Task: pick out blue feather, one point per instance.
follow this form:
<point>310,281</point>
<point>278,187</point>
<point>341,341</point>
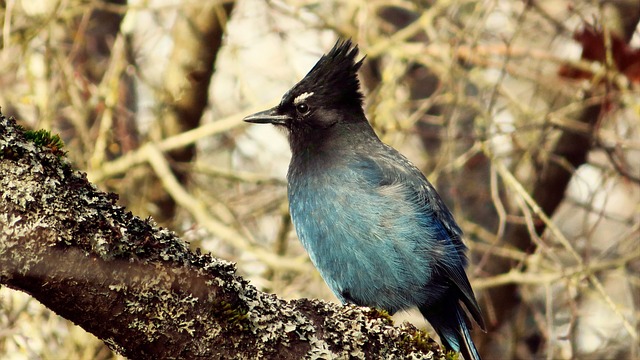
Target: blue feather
<point>373,225</point>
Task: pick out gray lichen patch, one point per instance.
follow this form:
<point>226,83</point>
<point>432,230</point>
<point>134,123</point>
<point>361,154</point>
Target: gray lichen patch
<point>57,197</point>
<point>46,205</point>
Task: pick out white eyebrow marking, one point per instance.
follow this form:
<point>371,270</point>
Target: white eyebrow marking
<point>302,97</point>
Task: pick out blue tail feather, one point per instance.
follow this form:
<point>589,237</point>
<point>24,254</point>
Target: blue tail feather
<point>453,330</point>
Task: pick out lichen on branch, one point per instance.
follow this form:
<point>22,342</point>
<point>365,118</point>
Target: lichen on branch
<point>141,289</point>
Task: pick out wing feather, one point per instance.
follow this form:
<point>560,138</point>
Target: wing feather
<point>396,175</point>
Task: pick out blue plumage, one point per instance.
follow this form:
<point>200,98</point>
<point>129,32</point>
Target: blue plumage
<point>372,224</point>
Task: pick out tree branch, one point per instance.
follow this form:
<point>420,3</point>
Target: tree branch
<point>138,287</point>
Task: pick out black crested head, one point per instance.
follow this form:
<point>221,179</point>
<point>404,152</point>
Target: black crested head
<point>335,75</point>
<point>329,94</point>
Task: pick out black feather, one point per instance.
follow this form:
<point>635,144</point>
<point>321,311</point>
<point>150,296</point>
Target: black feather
<point>335,75</point>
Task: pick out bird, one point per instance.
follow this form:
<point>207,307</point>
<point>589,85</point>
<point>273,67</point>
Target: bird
<point>372,224</point>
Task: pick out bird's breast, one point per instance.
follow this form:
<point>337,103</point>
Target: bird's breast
<point>362,244</point>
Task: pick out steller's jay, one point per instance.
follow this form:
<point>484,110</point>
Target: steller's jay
<point>372,224</point>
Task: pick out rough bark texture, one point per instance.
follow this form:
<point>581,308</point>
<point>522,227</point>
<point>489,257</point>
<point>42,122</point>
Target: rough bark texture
<point>139,288</point>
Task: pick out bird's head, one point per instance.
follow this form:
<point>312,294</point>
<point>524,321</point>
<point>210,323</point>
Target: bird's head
<point>327,95</point>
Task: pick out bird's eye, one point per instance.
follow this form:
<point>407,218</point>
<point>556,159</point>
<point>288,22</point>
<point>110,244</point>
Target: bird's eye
<point>302,108</point>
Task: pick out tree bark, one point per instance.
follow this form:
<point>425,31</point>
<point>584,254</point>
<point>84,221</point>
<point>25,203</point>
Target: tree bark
<point>139,288</point>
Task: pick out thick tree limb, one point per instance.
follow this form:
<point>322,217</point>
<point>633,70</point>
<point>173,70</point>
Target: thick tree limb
<point>140,289</point>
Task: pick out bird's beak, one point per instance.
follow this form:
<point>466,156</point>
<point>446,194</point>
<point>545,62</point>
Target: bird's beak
<point>270,116</point>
